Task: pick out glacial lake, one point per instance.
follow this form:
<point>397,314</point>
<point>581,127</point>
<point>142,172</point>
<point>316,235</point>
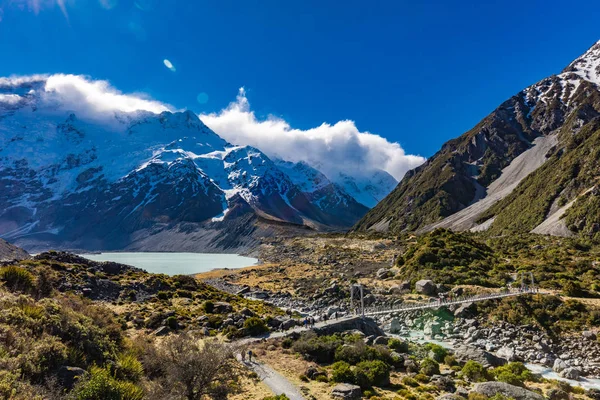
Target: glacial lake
<point>176,263</point>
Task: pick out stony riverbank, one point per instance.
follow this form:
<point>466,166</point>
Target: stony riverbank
<point>571,355</point>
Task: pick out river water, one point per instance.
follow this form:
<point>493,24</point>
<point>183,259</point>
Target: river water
<point>548,373</point>
<point>176,263</point>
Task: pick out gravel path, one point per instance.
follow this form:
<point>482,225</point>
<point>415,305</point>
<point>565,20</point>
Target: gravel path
<point>274,380</point>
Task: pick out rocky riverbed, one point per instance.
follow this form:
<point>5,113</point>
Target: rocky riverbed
<point>571,356</point>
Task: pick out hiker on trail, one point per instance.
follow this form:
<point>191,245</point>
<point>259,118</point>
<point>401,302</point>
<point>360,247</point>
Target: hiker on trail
<point>250,355</point>
<point>243,356</point>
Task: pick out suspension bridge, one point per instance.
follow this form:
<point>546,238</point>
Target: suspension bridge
<point>525,288</point>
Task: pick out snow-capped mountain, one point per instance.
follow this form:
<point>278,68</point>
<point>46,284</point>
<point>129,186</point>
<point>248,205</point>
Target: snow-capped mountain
<point>68,179</point>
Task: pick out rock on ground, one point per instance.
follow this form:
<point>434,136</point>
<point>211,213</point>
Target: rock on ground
<point>346,391</point>
<point>466,353</point>
<point>518,393</point>
<point>425,286</point>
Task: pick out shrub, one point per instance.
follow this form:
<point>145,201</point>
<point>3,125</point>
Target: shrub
<point>128,368</point>
<point>208,307</point>
<point>341,372</point>
<point>172,322</point>
<point>321,378</point>
<point>352,353</point>
<point>477,396</point>
<point>407,394</point>
<point>398,345</point>
<point>163,295</point>
<point>16,278</point>
<point>320,349</point>
<point>369,373</point>
<point>429,367</point>
<point>422,378</point>
<point>100,385</point>
<point>473,371</point>
<point>514,373</point>
<point>255,326</point>
<point>450,360</point>
<point>437,352</point>
<point>287,343</point>
<point>408,381</point>
<point>278,397</point>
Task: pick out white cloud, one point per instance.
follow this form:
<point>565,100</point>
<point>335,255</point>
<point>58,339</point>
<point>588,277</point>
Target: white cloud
<point>90,99</point>
<point>335,148</point>
<point>80,93</point>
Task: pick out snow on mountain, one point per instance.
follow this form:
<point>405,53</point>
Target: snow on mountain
<point>368,189</point>
<point>71,178</point>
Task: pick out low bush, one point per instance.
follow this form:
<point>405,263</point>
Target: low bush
<point>287,343</point>
<point>369,373</point>
<point>317,348</point>
<point>341,372</point>
<point>100,385</point>
<point>208,307</point>
<point>437,352</point>
<point>398,345</point>
<point>514,373</point>
<point>255,326</point>
<point>17,278</point>
<point>450,360</point>
<point>474,372</point>
<point>429,367</point>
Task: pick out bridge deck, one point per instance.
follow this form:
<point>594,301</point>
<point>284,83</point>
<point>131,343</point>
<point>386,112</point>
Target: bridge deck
<point>445,302</point>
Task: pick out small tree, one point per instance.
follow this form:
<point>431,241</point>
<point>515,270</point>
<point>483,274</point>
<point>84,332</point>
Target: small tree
<point>194,370</point>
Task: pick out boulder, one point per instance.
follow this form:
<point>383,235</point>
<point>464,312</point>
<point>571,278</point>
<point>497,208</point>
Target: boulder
<point>466,310</point>
<point>570,373</point>
<point>382,340</point>
<point>450,396</point>
<point>443,383</point>
<point>247,312</point>
<point>163,330</point>
<point>507,352</point>
<point>346,391</point>
<point>426,287</point>
<point>243,290</point>
<point>589,335</point>
<point>411,365</point>
<point>593,394</point>
<point>465,353</point>
<point>222,307</point>
<point>557,394</point>
<point>395,326</point>
<point>288,324</point>
<point>383,273</point>
<point>559,365</point>
<point>258,295</point>
<point>491,389</point>
<point>312,372</point>
<point>68,376</point>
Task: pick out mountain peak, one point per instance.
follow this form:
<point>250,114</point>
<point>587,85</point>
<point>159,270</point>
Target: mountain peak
<point>587,66</point>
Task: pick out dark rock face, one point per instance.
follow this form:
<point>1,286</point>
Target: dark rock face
<point>9,252</point>
<point>518,393</point>
<point>68,376</point>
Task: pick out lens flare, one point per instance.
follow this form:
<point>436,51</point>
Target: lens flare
<point>169,65</point>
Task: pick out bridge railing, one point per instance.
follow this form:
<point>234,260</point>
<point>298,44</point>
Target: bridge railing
<point>446,301</point>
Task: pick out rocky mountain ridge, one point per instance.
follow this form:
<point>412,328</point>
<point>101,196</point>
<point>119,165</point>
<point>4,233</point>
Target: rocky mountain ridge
<point>515,169</point>
<point>116,181</point>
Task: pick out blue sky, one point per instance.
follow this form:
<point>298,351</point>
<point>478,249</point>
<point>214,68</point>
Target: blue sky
<point>417,73</point>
